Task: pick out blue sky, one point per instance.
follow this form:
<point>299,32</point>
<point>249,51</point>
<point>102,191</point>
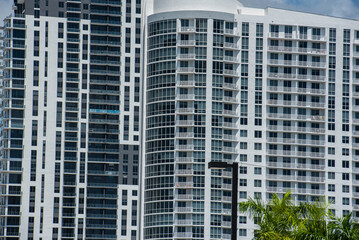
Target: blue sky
<point>5,8</point>
<point>338,8</point>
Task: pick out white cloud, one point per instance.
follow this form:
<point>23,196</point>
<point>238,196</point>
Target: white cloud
<point>342,8</point>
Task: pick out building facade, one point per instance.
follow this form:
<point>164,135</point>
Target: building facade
<point>70,120</point>
<point>275,90</point>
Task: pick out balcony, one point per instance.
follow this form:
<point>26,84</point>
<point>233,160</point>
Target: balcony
<point>184,171</point>
<point>310,142</point>
<point>73,49</point>
<point>311,90</point>
<point>101,52</point>
<point>184,196</point>
<point>73,9</point>
<point>318,38</point>
<point>310,130</point>
<point>107,2</point>
<point>231,86</point>
<point>105,12</point>
<point>186,70</point>
<point>312,64</point>
<point>184,209</point>
<point>100,236</point>
<point>229,125</point>
<point>186,43</point>
<point>73,59</point>
<point>184,135</point>
<point>190,97</point>
<point>230,45</point>
<point>281,177</point>
<point>189,147</point>
<point>230,32</point>
<point>311,154</point>
<point>297,103</point>
<point>93,172</point>
<point>312,77</point>
<point>296,190</point>
<point>229,149</point>
<point>281,102</point>
<point>293,116</point>
<point>187,83</point>
<point>226,236</point>
<point>102,216</point>
<point>280,165</point>
<point>310,104</point>
<point>282,35</point>
<point>182,235</point>
<point>186,56</point>
<point>226,186</point>
<point>184,222</point>
<point>226,224</point>
<point>105,226</point>
<point>107,22</point>
<point>356,54</point>
<point>229,113</point>
<point>110,196</point>
<point>105,150</point>
<point>229,137</point>
<point>185,122</point>
<point>70,183</point>
<point>188,29</point>
<point>108,72</point>
<point>282,62</point>
<point>104,140</point>
<point>282,75</point>
<point>101,42</point>
<point>356,68</point>
<point>230,59</point>
<point>184,159</point>
<point>282,49</point>
<point>230,99</point>
<point>184,184</point>
<point>281,115</point>
<point>185,110</point>
<point>319,51</point>
<point>281,153</point>
<point>229,72</point>
<point>115,206</point>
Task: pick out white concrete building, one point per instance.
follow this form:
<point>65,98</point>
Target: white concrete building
<point>276,90</point>
<point>70,137</point>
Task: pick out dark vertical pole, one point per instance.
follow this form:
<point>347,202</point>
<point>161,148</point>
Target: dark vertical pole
<point>234,200</point>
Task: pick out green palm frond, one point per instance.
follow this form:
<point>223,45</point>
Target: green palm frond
<point>281,219</point>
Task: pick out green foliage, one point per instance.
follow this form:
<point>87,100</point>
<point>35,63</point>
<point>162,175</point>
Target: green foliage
<point>281,219</point>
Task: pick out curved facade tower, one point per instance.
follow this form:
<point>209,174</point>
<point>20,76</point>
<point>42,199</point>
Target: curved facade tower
<point>191,118</point>
<point>275,90</point>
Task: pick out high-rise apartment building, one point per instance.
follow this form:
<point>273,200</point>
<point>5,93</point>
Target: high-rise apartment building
<point>276,90</point>
<point>70,120</point>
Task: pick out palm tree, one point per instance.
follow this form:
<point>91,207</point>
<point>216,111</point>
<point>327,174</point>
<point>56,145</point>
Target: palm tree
<point>281,219</point>
<point>312,224</point>
<point>344,228</point>
<point>275,219</point>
